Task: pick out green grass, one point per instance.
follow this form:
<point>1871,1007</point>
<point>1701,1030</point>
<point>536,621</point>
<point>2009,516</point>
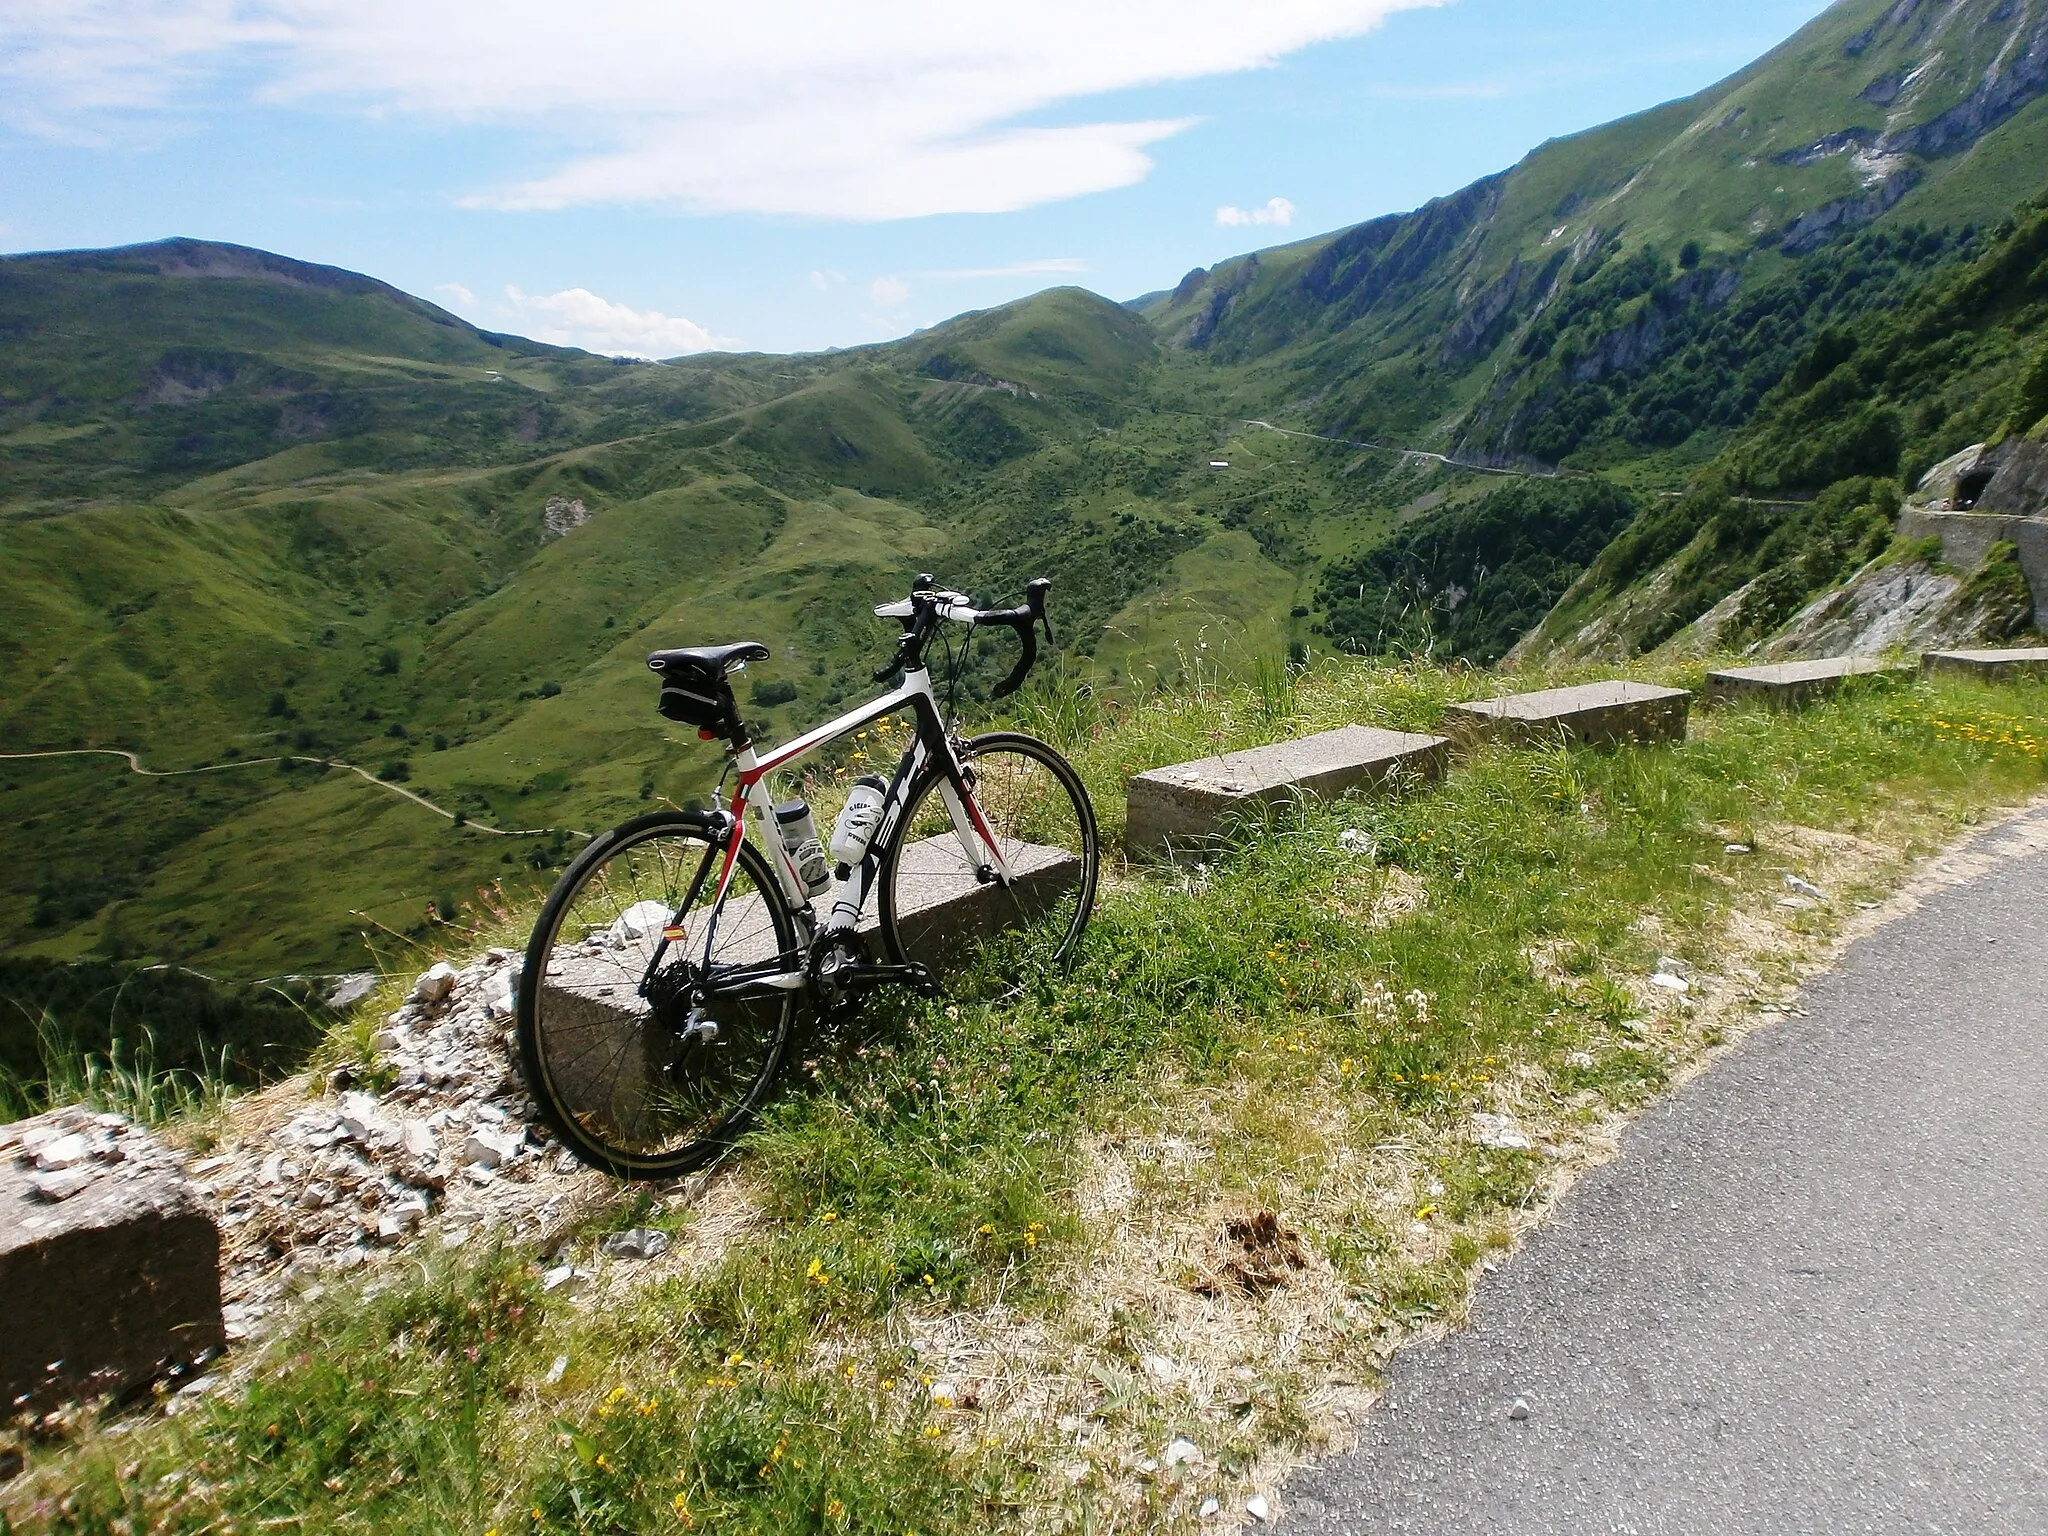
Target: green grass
<point>279,507</point>
<point>1026,1182</point>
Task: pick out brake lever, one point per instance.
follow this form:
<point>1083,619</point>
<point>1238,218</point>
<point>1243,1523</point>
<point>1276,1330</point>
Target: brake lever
<point>1034,598</point>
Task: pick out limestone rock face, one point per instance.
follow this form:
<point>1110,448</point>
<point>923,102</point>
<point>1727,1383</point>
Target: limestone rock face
<point>2021,482</point>
<point>109,1260</point>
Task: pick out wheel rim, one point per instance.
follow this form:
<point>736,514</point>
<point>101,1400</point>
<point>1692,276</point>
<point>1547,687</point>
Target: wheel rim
<point>1047,836</point>
<point>612,1010</point>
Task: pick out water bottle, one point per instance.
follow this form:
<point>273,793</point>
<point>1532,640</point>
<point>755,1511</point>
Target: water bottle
<point>858,819</point>
<point>799,834</point>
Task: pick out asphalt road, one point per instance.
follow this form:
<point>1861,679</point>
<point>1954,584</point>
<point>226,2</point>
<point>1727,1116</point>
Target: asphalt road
<point>1809,1295</point>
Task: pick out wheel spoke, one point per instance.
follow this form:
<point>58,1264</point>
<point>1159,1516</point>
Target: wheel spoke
<point>936,899</point>
<point>640,1072</point>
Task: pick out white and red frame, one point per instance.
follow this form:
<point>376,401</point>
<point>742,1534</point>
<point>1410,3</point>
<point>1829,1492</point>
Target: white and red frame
<point>847,896</point>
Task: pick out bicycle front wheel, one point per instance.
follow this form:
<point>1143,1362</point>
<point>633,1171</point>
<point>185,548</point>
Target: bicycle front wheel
<point>937,900</point>
<point>638,1061</point>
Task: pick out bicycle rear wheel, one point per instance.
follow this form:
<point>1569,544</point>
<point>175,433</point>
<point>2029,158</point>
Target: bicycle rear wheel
<point>637,1063</point>
<point>936,901</point>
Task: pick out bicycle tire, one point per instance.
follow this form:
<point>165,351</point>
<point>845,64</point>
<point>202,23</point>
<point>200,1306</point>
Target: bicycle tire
<point>1023,809</point>
<point>673,1101</point>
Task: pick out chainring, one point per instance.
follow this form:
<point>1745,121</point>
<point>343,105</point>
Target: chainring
<point>835,959</point>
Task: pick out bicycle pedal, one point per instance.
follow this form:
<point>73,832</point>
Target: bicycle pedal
<point>917,977</point>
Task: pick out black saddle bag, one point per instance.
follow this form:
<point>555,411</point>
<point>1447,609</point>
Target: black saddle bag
<point>698,695</point>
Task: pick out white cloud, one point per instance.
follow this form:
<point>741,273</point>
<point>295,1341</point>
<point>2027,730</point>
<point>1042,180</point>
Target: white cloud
<point>890,109</point>
<point>889,292</point>
<point>576,317</point>
<point>460,296</point>
<point>1277,210</point>
<point>1016,269</point>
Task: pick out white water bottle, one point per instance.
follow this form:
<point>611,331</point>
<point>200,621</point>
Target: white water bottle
<point>799,834</point>
<point>858,819</point>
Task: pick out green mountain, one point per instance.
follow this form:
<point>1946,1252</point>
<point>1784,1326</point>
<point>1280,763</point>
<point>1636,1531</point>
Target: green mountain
<point>253,508</point>
<point>1600,299</point>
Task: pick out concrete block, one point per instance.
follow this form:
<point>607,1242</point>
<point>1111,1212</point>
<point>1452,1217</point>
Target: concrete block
<point>943,906</point>
<point>1594,714</point>
<point>1793,683</point>
<point>604,1058</point>
<point>110,1266</point>
<point>1183,806</point>
<point>1998,666</point>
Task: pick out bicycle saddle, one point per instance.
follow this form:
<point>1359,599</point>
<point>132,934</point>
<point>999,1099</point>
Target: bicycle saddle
<point>714,658</point>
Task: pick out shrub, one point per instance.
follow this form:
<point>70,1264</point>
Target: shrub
<point>1477,577</point>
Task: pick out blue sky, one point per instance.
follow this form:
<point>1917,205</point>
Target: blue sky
<point>655,176</point>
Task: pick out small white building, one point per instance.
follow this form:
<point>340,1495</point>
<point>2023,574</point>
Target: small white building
<point>1219,463</point>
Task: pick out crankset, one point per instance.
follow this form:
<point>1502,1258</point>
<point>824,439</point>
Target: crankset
<point>842,974</point>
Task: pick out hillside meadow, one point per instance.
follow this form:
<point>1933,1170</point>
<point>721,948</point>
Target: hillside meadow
<point>987,1256</point>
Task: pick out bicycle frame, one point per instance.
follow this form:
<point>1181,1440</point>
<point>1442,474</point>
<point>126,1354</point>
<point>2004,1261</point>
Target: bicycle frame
<point>847,896</point>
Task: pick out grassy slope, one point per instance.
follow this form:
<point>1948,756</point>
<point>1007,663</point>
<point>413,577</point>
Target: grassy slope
<point>1920,380</point>
<point>418,616</point>
<point>1028,1185</point>
<point>1358,344</point>
<point>266,480</point>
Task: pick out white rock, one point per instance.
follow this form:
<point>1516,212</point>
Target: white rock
<point>395,1223</point>
<point>492,1149</point>
<point>1580,1059</point>
<point>1500,1133</point>
<point>1159,1368</point>
<point>1257,1507</point>
<point>435,983</point>
<point>61,1184</point>
<point>64,1152</point>
<point>1180,1449</point>
<point>635,1243</point>
<point>417,1139</point>
<point>561,1364</point>
<point>1520,1411</point>
<point>1210,1508</point>
<point>1736,848</point>
<point>567,1279</point>
<point>638,921</point>
<point>1801,887</point>
<point>1671,983</point>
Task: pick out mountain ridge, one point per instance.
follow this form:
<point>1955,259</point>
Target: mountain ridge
<point>257,506</point>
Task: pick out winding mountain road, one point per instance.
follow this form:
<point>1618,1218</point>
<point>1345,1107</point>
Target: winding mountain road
<point>135,763</point>
<point>1810,1294</point>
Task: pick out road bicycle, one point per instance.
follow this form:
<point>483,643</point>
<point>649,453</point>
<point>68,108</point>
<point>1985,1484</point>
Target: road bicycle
<point>665,974</point>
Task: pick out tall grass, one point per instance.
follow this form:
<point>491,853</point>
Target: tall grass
<point>123,1079</point>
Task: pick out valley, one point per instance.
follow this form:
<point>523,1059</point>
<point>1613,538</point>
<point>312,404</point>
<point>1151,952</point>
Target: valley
<point>251,507</point>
